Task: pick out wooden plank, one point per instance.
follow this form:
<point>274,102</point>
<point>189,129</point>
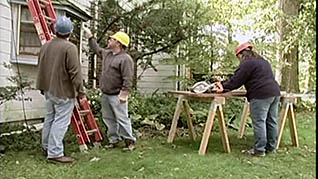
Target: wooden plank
<point>243,119</point>
<point>223,131</point>
<point>210,96</point>
<point>207,129</point>
<point>283,117</point>
<point>292,126</point>
<point>173,128</point>
<point>189,121</point>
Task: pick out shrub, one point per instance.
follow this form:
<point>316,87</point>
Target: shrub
<point>158,109</point>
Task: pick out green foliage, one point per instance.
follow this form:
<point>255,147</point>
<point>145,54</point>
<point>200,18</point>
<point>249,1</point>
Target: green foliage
<point>93,96</point>
<point>200,34</point>
<point>158,109</point>
<point>20,139</point>
<point>166,27</point>
<point>306,106</point>
<point>155,109</point>
<point>17,90</point>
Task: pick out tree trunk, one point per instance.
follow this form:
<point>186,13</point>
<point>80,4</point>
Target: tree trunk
<point>289,59</point>
<point>91,62</point>
<point>134,83</point>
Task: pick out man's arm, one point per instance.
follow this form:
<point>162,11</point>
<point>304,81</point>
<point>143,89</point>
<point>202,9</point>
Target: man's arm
<point>94,46</point>
<point>92,41</point>
<point>75,71</point>
<point>127,74</point>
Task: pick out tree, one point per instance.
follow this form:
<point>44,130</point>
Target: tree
<point>199,34</point>
<point>297,31</point>
<point>289,54</point>
<point>154,26</point>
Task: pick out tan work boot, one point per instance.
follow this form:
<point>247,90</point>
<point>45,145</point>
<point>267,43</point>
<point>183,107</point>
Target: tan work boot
<point>111,145</point>
<point>130,145</point>
<point>62,159</point>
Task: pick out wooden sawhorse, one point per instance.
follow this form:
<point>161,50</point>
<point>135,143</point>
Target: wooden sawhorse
<point>215,108</point>
<point>287,112</point>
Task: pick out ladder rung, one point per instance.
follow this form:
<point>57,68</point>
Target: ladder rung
<point>78,122</point>
<point>84,112</point>
<point>91,131</point>
<point>44,2</point>
<point>42,6</point>
<point>49,18</point>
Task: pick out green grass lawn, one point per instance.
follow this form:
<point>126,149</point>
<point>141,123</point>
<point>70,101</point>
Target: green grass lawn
<point>155,158</point>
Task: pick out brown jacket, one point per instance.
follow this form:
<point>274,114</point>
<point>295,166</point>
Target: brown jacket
<point>117,70</point>
<point>60,69</point>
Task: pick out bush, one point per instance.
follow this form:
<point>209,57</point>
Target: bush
<point>20,138</point>
<point>157,110</point>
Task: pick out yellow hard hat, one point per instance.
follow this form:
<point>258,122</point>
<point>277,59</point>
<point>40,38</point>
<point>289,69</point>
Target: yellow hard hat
<point>122,37</point>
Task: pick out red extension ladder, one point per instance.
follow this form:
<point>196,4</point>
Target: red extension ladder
<point>44,17</point>
<point>83,122</point>
<point>84,128</point>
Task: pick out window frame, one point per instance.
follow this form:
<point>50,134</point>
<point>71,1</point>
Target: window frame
<point>16,56</point>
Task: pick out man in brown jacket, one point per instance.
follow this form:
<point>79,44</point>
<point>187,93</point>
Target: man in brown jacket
<point>60,80</point>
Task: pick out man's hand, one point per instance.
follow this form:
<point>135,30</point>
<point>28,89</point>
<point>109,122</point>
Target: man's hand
<point>219,86</point>
<point>87,33</point>
<point>81,97</point>
<point>123,96</point>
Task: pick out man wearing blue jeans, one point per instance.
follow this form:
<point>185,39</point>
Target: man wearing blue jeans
<point>115,82</point>
<point>263,93</point>
<point>60,80</point>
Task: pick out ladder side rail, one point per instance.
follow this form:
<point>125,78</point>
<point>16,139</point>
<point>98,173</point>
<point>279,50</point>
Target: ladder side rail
<point>81,124</point>
<point>45,28</point>
<point>77,130</point>
<point>36,21</point>
<point>50,12</point>
<point>90,120</point>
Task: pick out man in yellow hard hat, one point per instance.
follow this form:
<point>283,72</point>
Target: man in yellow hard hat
<point>115,83</point>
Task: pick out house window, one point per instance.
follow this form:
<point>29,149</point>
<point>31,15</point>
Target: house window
<point>29,42</point>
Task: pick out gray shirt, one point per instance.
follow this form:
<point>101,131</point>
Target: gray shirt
<point>117,69</point>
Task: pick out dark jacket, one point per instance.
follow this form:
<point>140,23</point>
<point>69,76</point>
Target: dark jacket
<point>60,69</point>
<point>117,70</point>
<point>257,76</point>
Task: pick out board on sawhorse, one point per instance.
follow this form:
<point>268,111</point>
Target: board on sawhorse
<point>217,100</point>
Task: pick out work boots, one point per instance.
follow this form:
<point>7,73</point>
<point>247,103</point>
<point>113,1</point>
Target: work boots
<point>112,145</point>
<point>130,145</point>
<point>62,159</point>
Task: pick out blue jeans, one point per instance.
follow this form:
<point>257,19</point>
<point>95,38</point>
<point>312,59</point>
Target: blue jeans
<point>264,114</point>
<point>115,117</point>
<point>56,122</point>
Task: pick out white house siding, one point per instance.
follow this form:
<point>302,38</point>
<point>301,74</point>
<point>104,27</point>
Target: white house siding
<point>84,3</point>
<point>13,110</point>
<point>152,81</point>
<point>5,40</point>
